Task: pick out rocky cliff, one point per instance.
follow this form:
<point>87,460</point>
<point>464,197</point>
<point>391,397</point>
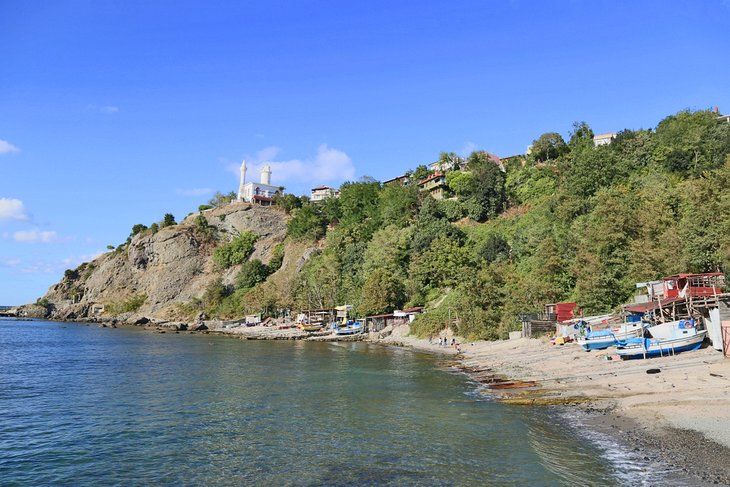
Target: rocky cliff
<point>154,272</point>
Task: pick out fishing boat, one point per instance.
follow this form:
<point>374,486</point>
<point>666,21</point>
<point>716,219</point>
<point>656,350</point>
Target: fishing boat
<point>310,326</point>
<point>350,328</point>
<point>666,339</point>
<point>602,339</point>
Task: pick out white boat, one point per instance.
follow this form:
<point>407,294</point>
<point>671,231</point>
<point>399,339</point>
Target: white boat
<point>601,339</point>
<point>350,328</point>
<point>666,339</point>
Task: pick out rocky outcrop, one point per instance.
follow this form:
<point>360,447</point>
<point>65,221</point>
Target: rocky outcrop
<point>155,271</point>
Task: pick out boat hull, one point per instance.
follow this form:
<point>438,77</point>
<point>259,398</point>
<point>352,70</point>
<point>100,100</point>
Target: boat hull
<point>661,348</point>
<point>608,338</point>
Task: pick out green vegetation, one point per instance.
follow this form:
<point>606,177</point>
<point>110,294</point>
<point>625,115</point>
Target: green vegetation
<point>235,252</point>
<point>129,305</point>
<point>221,199</point>
<point>168,220</point>
<point>569,221</point>
<point>205,230</point>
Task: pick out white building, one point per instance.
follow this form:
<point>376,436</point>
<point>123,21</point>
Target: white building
<point>603,139</point>
<point>262,192</point>
<point>321,192</point>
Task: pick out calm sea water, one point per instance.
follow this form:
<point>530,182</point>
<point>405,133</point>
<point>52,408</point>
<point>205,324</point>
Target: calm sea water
<point>83,405</point>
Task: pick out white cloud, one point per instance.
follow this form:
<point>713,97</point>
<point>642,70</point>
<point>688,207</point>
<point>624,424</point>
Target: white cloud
<point>12,209</point>
<point>328,165</point>
<point>194,191</point>
<point>38,236</point>
<point>6,147</point>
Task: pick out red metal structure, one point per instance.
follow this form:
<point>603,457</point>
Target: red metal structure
<point>686,285</point>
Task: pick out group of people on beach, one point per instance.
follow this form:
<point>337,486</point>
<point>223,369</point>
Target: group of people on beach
<point>444,342</point>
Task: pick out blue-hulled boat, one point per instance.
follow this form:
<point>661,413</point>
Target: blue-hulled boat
<point>602,339</point>
<point>667,339</point>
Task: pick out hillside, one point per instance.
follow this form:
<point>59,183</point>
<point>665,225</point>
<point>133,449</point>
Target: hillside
<point>484,239</point>
<point>156,272</point>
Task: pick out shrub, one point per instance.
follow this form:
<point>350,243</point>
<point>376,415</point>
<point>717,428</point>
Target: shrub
<point>277,258</point>
<point>129,305</point>
<point>251,273</point>
<point>168,220</point>
<point>203,228</point>
<point>236,252</point>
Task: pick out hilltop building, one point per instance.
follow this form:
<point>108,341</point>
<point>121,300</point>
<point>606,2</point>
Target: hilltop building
<point>603,139</point>
<point>262,192</point>
<point>321,192</point>
<point>434,184</point>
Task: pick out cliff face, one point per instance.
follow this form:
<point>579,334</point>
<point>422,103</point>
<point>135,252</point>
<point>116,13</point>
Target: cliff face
<point>154,272</point>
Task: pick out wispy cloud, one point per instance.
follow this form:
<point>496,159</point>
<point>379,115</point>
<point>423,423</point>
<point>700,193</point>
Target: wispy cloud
<point>49,267</point>
<point>194,192</point>
<point>7,148</point>
<point>327,165</point>
<point>39,236</point>
<point>10,262</point>
<point>468,148</point>
<point>105,109</point>
<point>12,209</point>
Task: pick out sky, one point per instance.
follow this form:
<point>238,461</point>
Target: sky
<point>114,113</point>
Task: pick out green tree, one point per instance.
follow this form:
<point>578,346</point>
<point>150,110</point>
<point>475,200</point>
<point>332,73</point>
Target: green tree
<point>307,223</point>
<point>382,292</point>
<point>692,142</point>
<point>548,146</point>
<point>137,228</point>
<point>288,202</point>
<point>398,204</point>
<point>221,199</point>
<point>168,220</point>
<point>252,272</point>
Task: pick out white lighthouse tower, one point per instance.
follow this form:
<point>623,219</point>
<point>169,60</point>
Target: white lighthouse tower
<point>241,186</point>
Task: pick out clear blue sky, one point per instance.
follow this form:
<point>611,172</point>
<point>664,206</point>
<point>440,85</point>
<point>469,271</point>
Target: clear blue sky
<point>115,112</point>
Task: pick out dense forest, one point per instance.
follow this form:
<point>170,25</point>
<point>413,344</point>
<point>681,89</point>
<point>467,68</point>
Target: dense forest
<point>568,221</point>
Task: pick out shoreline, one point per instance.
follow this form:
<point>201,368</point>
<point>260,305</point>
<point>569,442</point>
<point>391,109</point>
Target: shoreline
<point>679,417</point>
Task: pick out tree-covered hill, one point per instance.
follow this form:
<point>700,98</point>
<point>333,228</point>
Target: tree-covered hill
<point>568,221</point>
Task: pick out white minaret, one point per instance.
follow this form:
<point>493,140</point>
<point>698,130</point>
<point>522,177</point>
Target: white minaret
<point>243,181</point>
<point>266,175</point>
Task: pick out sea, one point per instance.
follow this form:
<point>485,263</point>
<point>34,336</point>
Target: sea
<point>86,405</point>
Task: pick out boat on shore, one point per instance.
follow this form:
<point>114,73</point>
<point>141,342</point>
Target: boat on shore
<point>350,328</point>
<point>665,339</point>
<point>602,339</point>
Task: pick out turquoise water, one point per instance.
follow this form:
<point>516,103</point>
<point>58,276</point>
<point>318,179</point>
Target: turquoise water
<point>83,405</point>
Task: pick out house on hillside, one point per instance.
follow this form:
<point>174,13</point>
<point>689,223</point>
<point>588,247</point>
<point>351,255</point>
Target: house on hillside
<point>321,192</point>
<point>398,180</point>
<point>603,139</point>
<point>435,184</point>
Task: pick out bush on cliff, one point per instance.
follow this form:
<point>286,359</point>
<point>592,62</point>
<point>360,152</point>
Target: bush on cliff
<point>235,252</point>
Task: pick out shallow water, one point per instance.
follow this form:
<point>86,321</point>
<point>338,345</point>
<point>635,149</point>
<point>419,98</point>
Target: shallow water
<point>85,405</point>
